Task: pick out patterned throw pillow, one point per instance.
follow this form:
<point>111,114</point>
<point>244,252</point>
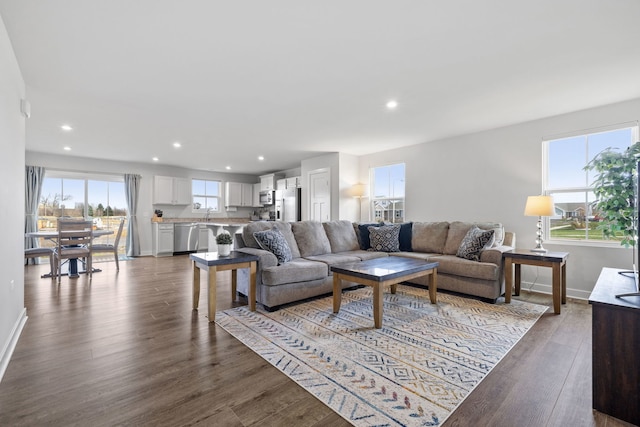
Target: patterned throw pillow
<point>385,238</point>
<point>273,241</point>
<point>474,242</point>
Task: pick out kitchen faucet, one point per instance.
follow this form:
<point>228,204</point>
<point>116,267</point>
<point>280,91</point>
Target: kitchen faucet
<point>206,216</point>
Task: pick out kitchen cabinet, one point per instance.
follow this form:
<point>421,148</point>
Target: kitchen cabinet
<point>238,194</point>
<point>281,184</point>
<point>162,237</point>
<point>204,238</point>
<point>268,182</point>
<point>256,196</point>
<point>293,182</point>
<point>169,190</point>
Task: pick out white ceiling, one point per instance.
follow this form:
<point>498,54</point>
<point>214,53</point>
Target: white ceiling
<point>292,79</point>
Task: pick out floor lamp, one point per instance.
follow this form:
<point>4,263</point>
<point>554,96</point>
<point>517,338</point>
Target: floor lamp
<point>359,191</point>
<point>539,206</point>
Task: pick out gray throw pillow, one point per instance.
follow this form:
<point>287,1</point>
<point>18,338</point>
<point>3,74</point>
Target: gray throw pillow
<point>474,242</point>
<point>385,238</point>
<point>273,241</point>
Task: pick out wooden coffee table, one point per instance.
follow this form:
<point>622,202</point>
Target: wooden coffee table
<point>213,263</point>
<point>380,272</point>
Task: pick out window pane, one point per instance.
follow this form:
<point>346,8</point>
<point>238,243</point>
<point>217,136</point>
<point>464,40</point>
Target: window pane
<point>72,203</point>
<point>387,183</point>
<point>198,187</point>
<point>567,158</point>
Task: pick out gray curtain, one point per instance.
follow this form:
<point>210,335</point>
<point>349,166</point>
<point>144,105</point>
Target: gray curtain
<point>34,176</point>
<point>131,190</point>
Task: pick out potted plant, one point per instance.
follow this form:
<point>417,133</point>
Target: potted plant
<point>614,187</point>
<point>224,242</point>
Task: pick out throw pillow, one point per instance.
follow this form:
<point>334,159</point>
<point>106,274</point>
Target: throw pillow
<point>385,238</point>
<point>405,236</point>
<point>363,235</point>
<point>474,242</point>
<point>273,241</point>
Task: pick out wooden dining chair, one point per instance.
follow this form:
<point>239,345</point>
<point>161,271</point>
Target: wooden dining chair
<point>108,247</point>
<point>75,240</point>
<point>40,252</point>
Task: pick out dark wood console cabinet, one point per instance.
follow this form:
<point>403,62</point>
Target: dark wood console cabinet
<point>616,347</point>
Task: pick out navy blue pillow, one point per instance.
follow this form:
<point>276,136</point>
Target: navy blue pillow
<point>365,242</point>
<point>405,237</point>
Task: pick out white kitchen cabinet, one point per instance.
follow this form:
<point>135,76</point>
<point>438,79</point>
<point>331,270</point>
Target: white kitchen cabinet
<point>238,194</point>
<point>162,236</point>
<point>281,184</point>
<point>293,182</point>
<point>204,238</point>
<point>256,196</point>
<point>169,190</point>
<point>268,182</point>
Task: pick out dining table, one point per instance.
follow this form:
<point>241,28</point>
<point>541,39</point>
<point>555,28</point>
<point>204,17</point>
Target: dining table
<point>73,262</point>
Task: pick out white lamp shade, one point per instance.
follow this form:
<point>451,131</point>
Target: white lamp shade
<point>539,206</point>
<point>359,190</point>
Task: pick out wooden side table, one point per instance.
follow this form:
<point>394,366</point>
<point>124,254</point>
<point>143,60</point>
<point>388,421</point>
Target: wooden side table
<point>211,262</point>
<point>556,260</point>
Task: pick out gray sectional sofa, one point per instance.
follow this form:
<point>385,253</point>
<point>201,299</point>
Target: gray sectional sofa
<point>315,246</point>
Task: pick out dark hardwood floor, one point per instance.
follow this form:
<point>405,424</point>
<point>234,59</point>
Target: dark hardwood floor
<point>126,349</point>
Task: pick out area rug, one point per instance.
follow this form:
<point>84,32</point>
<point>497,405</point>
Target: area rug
<point>414,371</point>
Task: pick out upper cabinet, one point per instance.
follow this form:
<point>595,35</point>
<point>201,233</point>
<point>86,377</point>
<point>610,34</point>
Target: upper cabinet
<point>285,183</point>
<point>256,196</point>
<point>268,182</point>
<point>238,194</point>
<point>169,190</point>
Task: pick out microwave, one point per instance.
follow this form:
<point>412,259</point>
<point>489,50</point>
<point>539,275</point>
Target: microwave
<point>266,197</point>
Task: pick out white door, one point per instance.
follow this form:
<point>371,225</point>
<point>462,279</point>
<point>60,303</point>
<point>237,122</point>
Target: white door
<point>320,195</point>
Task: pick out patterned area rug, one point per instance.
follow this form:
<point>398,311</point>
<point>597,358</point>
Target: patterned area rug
<point>414,371</point>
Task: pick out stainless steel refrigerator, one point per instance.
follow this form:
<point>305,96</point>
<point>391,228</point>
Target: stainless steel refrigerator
<point>287,205</point>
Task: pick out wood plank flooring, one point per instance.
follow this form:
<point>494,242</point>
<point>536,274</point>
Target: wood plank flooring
<point>126,349</point>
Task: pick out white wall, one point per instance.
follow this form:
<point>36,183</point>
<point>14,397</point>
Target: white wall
<point>12,176</point>
<point>487,176</point>
<point>147,171</point>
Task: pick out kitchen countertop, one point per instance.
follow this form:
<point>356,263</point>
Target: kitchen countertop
<point>219,222</point>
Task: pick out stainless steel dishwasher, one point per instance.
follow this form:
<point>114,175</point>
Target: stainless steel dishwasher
<point>185,237</point>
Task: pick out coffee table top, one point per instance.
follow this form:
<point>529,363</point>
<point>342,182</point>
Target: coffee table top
<point>382,269</point>
<point>212,258</point>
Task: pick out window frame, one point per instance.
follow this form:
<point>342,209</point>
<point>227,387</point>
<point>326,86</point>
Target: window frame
<point>587,189</point>
<point>394,200</point>
<point>218,197</point>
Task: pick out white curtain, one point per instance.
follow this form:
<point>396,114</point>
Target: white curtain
<point>34,176</point>
<point>131,190</point>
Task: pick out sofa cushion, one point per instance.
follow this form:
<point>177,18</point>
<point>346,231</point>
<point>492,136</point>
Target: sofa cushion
<point>341,235</point>
<point>365,255</point>
<point>284,227</point>
<point>274,242</point>
<point>363,235</point>
<point>452,265</point>
<point>459,229</point>
<point>429,236</point>
<point>311,238</point>
<point>332,259</point>
<point>296,270</point>
<point>385,238</point>
<point>474,242</point>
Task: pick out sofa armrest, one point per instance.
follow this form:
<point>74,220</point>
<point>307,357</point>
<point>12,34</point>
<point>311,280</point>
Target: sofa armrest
<point>494,255</point>
<point>266,258</point>
<point>509,239</point>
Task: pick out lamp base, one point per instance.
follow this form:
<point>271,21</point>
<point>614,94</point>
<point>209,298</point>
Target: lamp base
<point>540,250</point>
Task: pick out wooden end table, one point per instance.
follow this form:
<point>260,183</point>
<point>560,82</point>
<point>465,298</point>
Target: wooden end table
<point>380,272</point>
<point>556,260</point>
<point>212,262</point>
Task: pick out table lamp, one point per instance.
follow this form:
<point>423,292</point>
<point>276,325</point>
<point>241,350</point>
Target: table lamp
<point>539,206</point>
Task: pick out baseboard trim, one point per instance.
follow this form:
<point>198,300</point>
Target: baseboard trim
<point>546,289</point>
<point>10,345</point>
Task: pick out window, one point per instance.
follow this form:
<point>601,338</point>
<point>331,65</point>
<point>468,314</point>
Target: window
<point>387,193</point>
<point>79,195</point>
<point>206,195</point>
<point>566,180</point>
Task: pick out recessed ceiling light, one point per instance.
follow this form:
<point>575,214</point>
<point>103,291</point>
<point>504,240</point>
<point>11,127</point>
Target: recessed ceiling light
<point>392,104</point>
<point>228,168</point>
<point>261,158</point>
<point>155,159</point>
<point>66,128</point>
<point>177,144</point>
<point>67,148</point>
